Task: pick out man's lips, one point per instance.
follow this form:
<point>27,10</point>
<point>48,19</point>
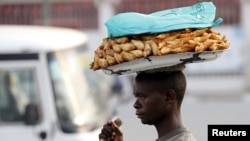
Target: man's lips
<point>139,114</point>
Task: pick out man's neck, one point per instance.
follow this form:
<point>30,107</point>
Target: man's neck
<point>168,125</point>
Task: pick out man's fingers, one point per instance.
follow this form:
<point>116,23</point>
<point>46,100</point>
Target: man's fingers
<point>107,132</point>
<point>110,132</point>
<point>107,129</point>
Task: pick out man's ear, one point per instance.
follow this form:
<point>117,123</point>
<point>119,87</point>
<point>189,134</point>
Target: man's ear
<point>169,95</point>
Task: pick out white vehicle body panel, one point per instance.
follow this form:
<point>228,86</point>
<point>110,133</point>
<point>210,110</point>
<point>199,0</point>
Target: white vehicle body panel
<point>39,42</point>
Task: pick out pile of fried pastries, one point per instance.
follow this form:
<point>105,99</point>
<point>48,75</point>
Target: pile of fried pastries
<point>114,51</point>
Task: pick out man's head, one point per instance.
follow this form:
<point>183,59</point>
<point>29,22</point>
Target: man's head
<point>158,95</point>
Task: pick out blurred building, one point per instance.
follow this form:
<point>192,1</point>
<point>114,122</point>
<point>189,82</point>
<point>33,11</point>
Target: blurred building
<point>79,14</point>
<point>228,9</point>
<point>90,16</point>
<point>83,14</point>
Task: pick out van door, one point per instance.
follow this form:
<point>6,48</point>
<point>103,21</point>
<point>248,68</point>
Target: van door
<point>20,102</point>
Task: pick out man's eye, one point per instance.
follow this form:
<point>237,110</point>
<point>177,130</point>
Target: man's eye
<point>138,96</point>
<point>141,97</point>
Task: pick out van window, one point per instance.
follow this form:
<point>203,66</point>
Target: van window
<point>80,103</point>
<point>17,89</point>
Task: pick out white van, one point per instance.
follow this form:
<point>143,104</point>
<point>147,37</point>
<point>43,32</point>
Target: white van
<point>47,91</point>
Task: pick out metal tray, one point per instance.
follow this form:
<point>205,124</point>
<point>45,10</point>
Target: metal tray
<point>156,62</point>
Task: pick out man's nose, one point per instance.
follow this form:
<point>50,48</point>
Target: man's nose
<point>137,104</point>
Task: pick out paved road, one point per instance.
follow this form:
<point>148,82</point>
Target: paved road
<point>197,113</point>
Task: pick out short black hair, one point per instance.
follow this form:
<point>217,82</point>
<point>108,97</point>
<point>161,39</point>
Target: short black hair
<point>174,80</point>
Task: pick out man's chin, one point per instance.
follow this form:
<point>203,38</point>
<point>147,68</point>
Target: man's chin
<point>146,122</point>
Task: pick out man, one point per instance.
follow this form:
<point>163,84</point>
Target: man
<point>158,102</point>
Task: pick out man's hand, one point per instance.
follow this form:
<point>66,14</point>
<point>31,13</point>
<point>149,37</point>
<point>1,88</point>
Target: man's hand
<point>110,132</point>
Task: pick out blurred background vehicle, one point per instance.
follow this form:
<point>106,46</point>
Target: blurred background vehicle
<point>47,90</point>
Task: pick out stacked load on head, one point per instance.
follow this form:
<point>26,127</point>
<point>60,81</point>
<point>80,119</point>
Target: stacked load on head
<point>113,51</point>
<point>117,49</point>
